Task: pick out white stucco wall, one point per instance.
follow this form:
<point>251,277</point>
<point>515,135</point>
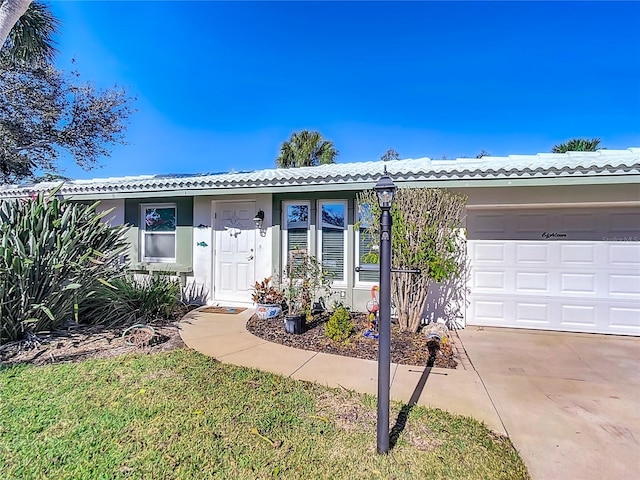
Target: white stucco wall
<point>202,232</point>
<point>116,217</point>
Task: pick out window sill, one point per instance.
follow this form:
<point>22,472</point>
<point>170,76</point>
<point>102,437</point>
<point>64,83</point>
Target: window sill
<point>364,285</point>
<point>160,267</point>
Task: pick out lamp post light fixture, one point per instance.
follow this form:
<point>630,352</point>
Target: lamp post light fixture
<point>385,189</point>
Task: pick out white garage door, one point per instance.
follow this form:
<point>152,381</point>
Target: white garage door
<point>555,269</point>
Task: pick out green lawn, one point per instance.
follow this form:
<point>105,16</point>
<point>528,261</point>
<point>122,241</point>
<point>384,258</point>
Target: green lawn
<point>183,415</point>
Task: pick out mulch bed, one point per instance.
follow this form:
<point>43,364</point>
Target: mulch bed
<point>406,348</point>
<point>76,343</point>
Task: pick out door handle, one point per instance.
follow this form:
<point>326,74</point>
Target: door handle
<point>250,257</point>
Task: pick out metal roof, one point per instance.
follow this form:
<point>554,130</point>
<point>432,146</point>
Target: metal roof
<point>603,163</point>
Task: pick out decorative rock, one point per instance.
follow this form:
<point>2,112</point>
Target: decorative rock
<point>438,331</point>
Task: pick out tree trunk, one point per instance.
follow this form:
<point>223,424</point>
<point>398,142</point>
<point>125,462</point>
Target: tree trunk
<point>10,13</point>
<point>409,295</point>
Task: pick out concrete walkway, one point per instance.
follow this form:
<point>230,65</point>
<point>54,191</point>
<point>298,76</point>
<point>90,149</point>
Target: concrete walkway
<point>569,402</point>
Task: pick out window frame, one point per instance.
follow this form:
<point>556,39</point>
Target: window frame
<point>143,233</point>
<point>358,281</point>
<point>285,229</point>
<point>345,231</point>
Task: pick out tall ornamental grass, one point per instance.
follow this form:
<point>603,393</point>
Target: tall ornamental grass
<point>53,254</point>
<point>127,300</point>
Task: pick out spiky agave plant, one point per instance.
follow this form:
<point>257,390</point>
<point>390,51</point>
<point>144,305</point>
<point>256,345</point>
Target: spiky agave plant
<point>53,253</point>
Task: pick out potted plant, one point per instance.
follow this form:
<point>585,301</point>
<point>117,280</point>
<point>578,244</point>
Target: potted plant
<point>303,284</point>
<point>268,299</point>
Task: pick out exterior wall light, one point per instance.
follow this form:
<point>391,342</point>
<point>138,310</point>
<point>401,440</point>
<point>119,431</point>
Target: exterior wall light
<point>259,219</point>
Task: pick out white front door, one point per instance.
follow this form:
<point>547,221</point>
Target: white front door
<point>234,265</point>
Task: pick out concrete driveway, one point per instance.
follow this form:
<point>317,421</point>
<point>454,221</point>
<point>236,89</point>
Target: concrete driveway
<point>569,402</point>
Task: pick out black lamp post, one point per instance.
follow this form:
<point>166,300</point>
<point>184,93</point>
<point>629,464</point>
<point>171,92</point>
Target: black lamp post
<point>385,189</point>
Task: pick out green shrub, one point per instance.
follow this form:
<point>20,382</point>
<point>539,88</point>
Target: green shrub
<point>193,295</point>
<point>128,299</point>
<point>52,255</point>
<point>339,327</point>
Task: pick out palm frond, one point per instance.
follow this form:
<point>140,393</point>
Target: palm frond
<point>577,145</point>
<point>306,149</point>
<point>31,38</point>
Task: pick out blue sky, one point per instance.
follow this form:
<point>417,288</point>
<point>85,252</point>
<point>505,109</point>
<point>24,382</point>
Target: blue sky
<point>220,85</point>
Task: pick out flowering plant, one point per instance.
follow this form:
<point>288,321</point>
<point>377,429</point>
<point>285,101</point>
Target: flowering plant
<point>266,293</point>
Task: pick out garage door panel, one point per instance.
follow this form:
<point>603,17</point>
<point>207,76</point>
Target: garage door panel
<point>625,319</point>
<point>487,224</point>
<point>490,311</point>
<point>532,223</point>
<point>624,285</point>
<point>557,223</point>
<point>578,283</point>
<point>489,252</point>
<point>624,254</point>
<point>532,253</point>
<point>625,224</point>
<point>555,281</point>
<point>578,222</point>
<point>486,280</point>
<point>578,254</point>
<point>533,282</point>
<point>529,314</point>
<point>578,316</point>
<point>574,275</point>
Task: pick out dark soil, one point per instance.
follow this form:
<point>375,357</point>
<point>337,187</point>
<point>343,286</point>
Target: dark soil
<point>76,343</point>
<point>406,348</point>
<point>81,342</point>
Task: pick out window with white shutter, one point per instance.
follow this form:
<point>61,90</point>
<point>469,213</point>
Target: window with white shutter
<point>332,229</point>
<point>295,224</point>
<point>366,245</point>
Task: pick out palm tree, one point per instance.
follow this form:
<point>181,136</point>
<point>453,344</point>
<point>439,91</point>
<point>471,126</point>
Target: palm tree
<point>577,145</point>
<point>26,31</point>
<point>306,149</point>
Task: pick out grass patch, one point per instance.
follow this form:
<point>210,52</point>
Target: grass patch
<point>183,415</point>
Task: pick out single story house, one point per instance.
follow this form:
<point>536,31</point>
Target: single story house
<point>553,240</point>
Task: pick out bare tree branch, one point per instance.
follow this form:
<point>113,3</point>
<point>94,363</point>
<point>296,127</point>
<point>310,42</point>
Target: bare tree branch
<point>46,114</point>
<point>426,236</point>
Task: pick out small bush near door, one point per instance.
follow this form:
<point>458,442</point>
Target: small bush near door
<point>127,300</point>
<point>339,327</point>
